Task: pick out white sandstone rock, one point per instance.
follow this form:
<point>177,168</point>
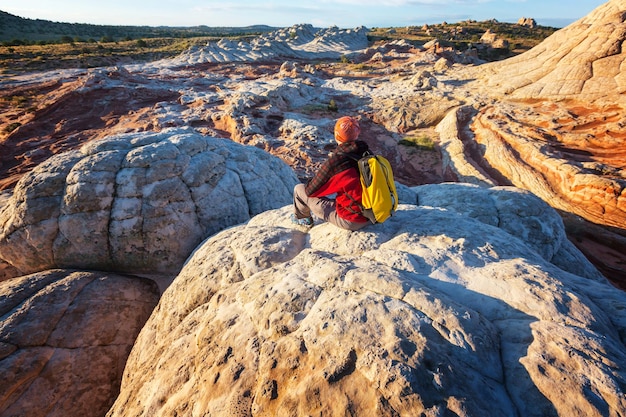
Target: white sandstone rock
<point>138,202</point>
<point>296,42</point>
<point>435,311</point>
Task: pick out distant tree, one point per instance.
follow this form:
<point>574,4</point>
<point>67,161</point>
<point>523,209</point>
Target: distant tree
<point>141,43</point>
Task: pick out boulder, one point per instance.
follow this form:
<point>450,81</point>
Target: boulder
<point>451,308</point>
<point>528,22</point>
<point>64,340</point>
<point>138,202</point>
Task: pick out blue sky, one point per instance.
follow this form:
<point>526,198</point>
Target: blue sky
<point>282,13</point>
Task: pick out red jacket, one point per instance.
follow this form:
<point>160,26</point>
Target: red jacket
<point>339,175</point>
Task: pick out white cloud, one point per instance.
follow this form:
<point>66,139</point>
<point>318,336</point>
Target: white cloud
<point>402,3</point>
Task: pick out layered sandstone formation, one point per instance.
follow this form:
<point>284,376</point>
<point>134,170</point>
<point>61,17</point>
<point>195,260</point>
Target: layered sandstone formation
<point>559,128</point>
<point>296,42</point>
<point>457,308</point>
<point>552,121</point>
<point>568,159</point>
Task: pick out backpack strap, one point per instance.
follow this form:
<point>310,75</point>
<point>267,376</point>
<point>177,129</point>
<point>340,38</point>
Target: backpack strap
<point>354,202</point>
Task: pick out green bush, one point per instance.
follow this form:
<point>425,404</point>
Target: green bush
<point>421,142</point>
<point>12,126</point>
<point>19,101</point>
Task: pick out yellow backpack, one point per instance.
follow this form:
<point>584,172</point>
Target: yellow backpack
<point>379,198</point>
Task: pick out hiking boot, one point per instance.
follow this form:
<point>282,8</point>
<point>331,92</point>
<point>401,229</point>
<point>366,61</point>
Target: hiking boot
<point>306,222</point>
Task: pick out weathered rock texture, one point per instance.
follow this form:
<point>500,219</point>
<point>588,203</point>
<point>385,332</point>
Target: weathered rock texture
<point>136,203</point>
<point>438,311</point>
<point>549,120</point>
<point>280,106</point>
<point>474,303</point>
<point>64,340</point>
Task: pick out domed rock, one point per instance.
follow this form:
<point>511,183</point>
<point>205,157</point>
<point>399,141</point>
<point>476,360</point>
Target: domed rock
<point>64,339</point>
<point>434,312</point>
<point>582,61</point>
<point>137,202</point>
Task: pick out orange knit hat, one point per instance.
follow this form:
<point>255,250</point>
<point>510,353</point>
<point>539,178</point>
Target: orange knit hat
<point>347,129</point>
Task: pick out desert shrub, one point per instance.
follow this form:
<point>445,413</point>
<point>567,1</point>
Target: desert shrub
<point>422,142</point>
<point>141,43</point>
<point>12,126</point>
<point>362,67</point>
<point>19,101</point>
<point>313,108</point>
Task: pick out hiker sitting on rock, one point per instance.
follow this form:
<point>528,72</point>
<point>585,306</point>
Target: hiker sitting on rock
<point>339,176</point>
